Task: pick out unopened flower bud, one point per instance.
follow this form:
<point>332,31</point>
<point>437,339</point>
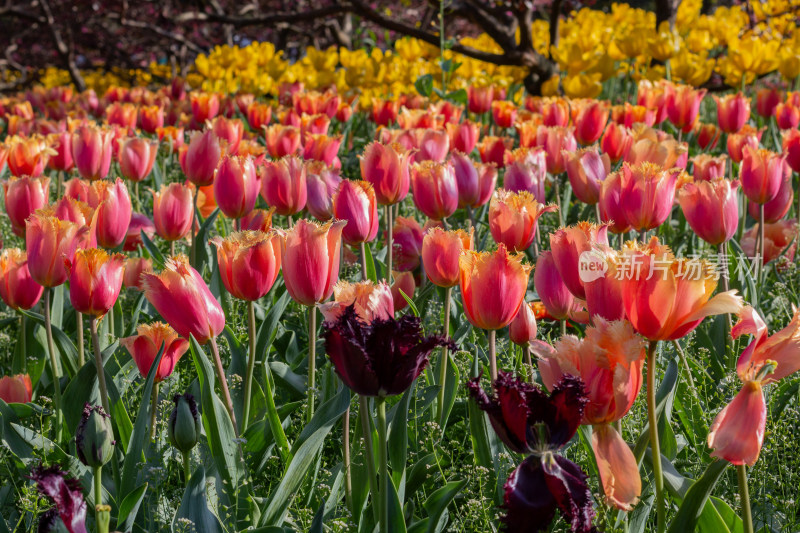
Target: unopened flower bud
<point>184,423</point>
<point>94,437</point>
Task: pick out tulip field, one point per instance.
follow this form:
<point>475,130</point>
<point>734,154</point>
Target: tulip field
<point>396,289</point>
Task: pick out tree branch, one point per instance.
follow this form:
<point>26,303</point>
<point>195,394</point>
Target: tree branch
<point>266,20</point>
<point>64,50</point>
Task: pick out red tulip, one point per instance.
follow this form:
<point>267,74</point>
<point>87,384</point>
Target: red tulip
<point>204,106</point>
<point>321,184</point>
<point>711,208</point>
<point>145,345</point>
<point>249,263</point>
<point>787,115</point>
<point>432,144</point>
<point>522,329</point>
<point>386,167</point>
<point>791,148</point>
<point>733,111</point>
<point>236,186</point>
<point>407,238</point>
<point>550,287</point>
<point>513,218</point>
<point>403,284</point>
<point>95,279</point>
<point>173,213</point>
<point>112,206</point>
<point>151,118</point>
<point>601,273</point>
<point>616,141</point>
<point>493,286</point>
<point>590,118</point>
<point>766,101</point>
<point>653,97</point>
<point>283,184</point>
<point>310,260</point>
<point>355,203</point>
<point>707,135</point>
<point>92,151</point>
<point>504,113</point>
<point>180,295</point>
<point>258,115</point>
<point>16,389</point>
<point>17,288</point>
<point>493,149</point>
<point>200,158</point>
<point>479,99</point>
<point>384,112</point>
<point>683,105</point>
<point>61,143</point>
<point>435,189</point>
<point>321,147</point>
<point>136,158</point>
<point>441,251</point>
<point>316,124</point>
<point>134,266</point>
<point>463,135</point>
<point>761,174</point>
<point>121,114</point>
<point>23,196</point>
<point>48,241</point>
<point>586,170</point>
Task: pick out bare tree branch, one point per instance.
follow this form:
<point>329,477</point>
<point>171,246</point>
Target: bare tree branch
<point>64,50</point>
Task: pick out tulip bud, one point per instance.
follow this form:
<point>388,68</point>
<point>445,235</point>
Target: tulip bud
<point>435,189</point>
<point>94,438</point>
<point>283,184</point>
<point>522,329</point>
<point>236,186</point>
<point>184,423</point>
<point>200,158</point>
<point>136,157</point>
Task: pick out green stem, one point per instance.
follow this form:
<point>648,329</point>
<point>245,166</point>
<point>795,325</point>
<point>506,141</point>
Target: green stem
<point>389,237</point>
<point>98,485</point>
<point>348,479</point>
<point>223,384</point>
<point>274,420</point>
<point>383,493</point>
<point>53,364</point>
<point>187,472</point>
<point>369,455</point>
<point>654,443</point>
<point>192,254</point>
<point>251,362</point>
<point>492,354</point>
<point>312,359</point>
<point>760,261</point>
<point>153,411</point>
<point>744,494</point>
<point>23,339</point>
<point>81,355</point>
<point>98,364</point>
<point>363,247</point>
<point>444,360</point>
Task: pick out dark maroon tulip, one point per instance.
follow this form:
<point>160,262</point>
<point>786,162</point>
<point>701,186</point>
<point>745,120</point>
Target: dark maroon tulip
<point>66,493</point>
<point>379,358</point>
<point>529,421</point>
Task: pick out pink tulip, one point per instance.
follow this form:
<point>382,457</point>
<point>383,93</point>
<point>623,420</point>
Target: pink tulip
<point>435,189</point>
<point>550,287</point>
<point>711,208</point>
<point>283,184</point>
<point>92,151</point>
<point>173,212</point>
<point>586,170</point>
<point>761,174</point>
<point>24,196</point>
<point>112,211</point>
<point>310,260</point>
<point>321,184</point>
<point>647,194</point>
<point>463,135</point>
<point>236,186</point>
<point>249,263</point>
<point>355,203</point>
<point>228,130</point>
<point>526,170</point>
<point>199,159</point>
<point>136,158</point>
<point>386,167</point>
<point>371,301</point>
<point>567,245</point>
<point>733,111</point>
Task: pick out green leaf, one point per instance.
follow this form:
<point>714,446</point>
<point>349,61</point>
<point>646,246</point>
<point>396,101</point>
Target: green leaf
<point>397,521</point>
<point>202,255</point>
<point>451,383</point>
<point>398,438</point>
<point>437,503</point>
<point>130,507</point>
<point>410,302</point>
<point>424,85</point>
<point>194,507</point>
<point>153,251</point>
<point>140,437</point>
<point>269,327</point>
<point>664,396</point>
<point>63,344</point>
<point>304,451</point>
<point>370,262</point>
<point>696,497</point>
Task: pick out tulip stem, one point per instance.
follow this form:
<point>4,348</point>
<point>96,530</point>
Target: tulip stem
<point>312,359</point>
<point>274,420</point>
<point>223,384</point>
<point>98,497</point>
<point>528,363</point>
<point>369,450</point>
<point>23,339</point>
<point>192,253</point>
<point>153,411</point>
<point>251,362</point>
<point>389,230</point>
<point>597,213</point>
<point>48,326</point>
<point>563,327</point>
<point>187,472</point>
<point>81,356</point>
<point>383,493</point>
<point>172,248</point>
<point>444,360</point>
<point>363,261</point>
<point>492,355</point>
<point>744,494</point>
<point>685,364</point>
<point>557,190</point>
<point>59,182</point>
<point>348,480</point>
<point>654,443</point>
<point>760,258</point>
<point>98,364</point>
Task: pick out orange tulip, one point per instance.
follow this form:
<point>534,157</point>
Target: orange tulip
<point>17,288</point>
<point>172,211</point>
<point>181,296</point>
<point>435,189</point>
<point>707,135</point>
<point>23,196</point>
<point>504,113</point>
<point>601,274</point>
<point>48,241</point>
<point>134,266</point>
<point>655,147</point>
<point>283,184</point>
<point>493,149</point>
<point>204,106</point>
<point>315,124</point>
<point>733,111</point>
<point>586,170</point>
<point>355,203</point>
<point>122,114</point>
<point>441,251</point>
<point>258,220</point>
<point>567,245</point>
<point>92,151</point>
<point>151,118</point>
<point>95,279</point>
<point>609,361</point>
<point>513,218</point>
<point>28,156</point>
<point>145,345</point>
<point>310,260</point>
<point>249,263</point>
<point>16,389</point>
<point>228,130</point>
<point>653,97</point>
<point>282,140</point>
<point>666,297</point>
<point>493,286</point>
<point>479,99</point>
<point>372,301</point>
<point>386,167</point>
<point>258,115</point>
<point>136,157</point>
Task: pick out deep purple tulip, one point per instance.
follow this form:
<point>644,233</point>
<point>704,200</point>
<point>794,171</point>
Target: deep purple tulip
<point>66,493</point>
<point>379,358</point>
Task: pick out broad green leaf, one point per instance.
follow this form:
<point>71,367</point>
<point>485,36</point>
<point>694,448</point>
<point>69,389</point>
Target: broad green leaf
<point>696,497</point>
<point>152,250</point>
<point>370,262</point>
<point>194,507</point>
<point>398,438</point>
<point>129,508</point>
<point>451,384</point>
<point>437,503</point>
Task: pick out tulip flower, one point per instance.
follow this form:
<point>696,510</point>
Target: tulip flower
<point>610,206</point>
<point>530,422</point>
<point>321,184</point>
<point>711,208</point>
<point>151,118</point>
<point>236,186</point>
<point>17,288</point>
<point>321,147</point>
<point>134,266</point>
<point>23,196</point>
<point>228,130</point>
<point>761,174</point>
<point>791,148</point>
<point>61,143</point>
<point>463,135</point>
<point>667,297</point>
<point>766,101</point>
<point>404,286</point>
<point>257,220</point>
<point>406,244</point>
<point>258,115</point>
<point>122,114</point>
<point>646,193</point>
<point>441,251</point>
<point>555,140</point>
<point>776,209</point>
<point>683,105</point>
<point>384,112</point>
<point>655,147</point>
<point>386,167</point>
<point>493,286</point>
<point>204,106</point>
<point>48,241</point>
<point>526,170</point>
<point>92,151</point>
<point>586,170</point>
<point>355,203</point>
<point>28,156</point>
<point>733,111</point>
<point>16,389</point>
<point>95,279</point>
<point>249,263</point>
<point>493,149</point>
<point>172,211</point>
<point>779,240</point>
<point>112,211</point>
<point>283,185</point>
<point>67,494</point>
<point>282,140</point>
<point>435,189</point>
<point>526,129</point>
<point>173,136</point>
<point>479,99</point>
<point>554,294</point>
<point>200,158</point>
<point>371,301</point>
<point>133,238</point>
<point>747,136</point>
<point>567,245</point>
<point>145,345</point>
<point>653,96</point>
<point>590,118</point>
<point>504,113</point>
<point>616,141</point>
<point>601,273</point>
<point>513,218</point>
<point>787,115</point>
<point>136,158</point>
<point>628,115</point>
<point>708,168</point>
<point>475,181</point>
<point>609,361</point>
<point>707,135</point>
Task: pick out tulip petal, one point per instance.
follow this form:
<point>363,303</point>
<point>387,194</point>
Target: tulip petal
<point>619,471</point>
<point>737,433</point>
